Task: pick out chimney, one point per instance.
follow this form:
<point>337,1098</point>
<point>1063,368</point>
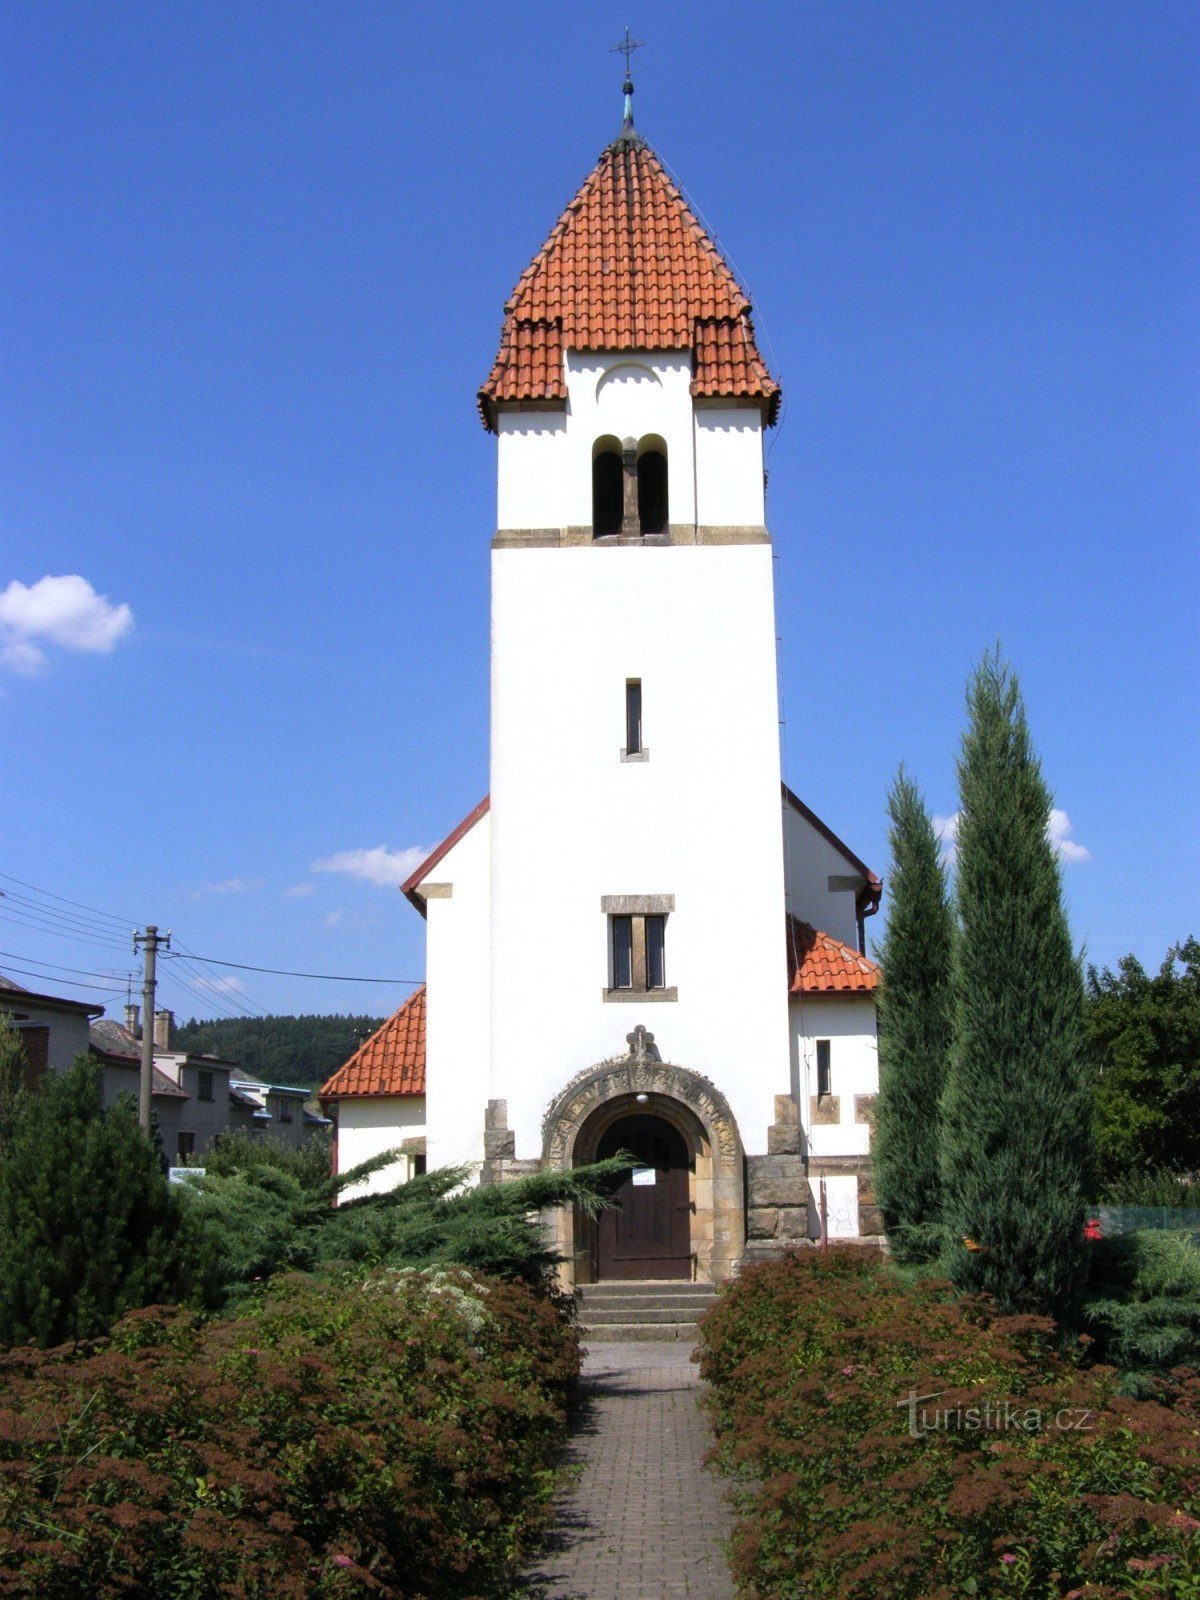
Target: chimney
<point>133,1019</point>
<point>163,1023</point>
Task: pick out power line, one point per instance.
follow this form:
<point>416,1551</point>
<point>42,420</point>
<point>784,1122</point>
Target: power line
<point>103,941</point>
<point>122,922</point>
<point>81,972</point>
<point>284,972</point>
<point>42,977</point>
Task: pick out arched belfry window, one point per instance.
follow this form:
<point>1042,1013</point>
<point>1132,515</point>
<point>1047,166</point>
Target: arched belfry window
<point>652,485</point>
<point>608,487</point>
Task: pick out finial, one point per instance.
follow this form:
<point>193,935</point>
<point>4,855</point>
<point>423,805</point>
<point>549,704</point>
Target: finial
<point>626,49</point>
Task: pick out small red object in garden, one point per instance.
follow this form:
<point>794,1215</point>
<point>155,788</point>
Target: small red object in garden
<point>1091,1229</point>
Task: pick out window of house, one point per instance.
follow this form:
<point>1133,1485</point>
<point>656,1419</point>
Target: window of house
<point>286,1111</point>
<point>638,952</point>
<point>204,1086</point>
<point>187,1145</point>
<point>608,488</point>
<point>633,717</point>
<point>418,1166</point>
<point>652,489</point>
<point>823,1073</point>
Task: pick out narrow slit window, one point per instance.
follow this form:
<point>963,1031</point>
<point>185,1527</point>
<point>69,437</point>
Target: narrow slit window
<point>633,717</point>
<point>656,953</point>
<point>823,1073</point>
<point>622,952</point>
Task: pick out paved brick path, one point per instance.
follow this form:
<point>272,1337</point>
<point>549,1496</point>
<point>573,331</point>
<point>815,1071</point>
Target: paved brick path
<point>643,1520</point>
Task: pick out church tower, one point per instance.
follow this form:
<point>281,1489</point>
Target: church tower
<point>623,945</point>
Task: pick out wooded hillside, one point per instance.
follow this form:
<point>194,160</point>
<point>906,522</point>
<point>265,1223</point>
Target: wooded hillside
<point>295,1050</point>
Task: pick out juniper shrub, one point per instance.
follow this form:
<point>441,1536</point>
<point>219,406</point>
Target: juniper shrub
<point>1073,1491</point>
<point>385,1437</point>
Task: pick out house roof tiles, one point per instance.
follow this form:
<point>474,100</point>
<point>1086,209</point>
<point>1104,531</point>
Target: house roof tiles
<point>820,964</point>
<point>390,1062</point>
<point>628,267</point>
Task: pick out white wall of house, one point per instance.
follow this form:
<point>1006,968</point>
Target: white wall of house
<point>698,819</point>
<point>810,862</point>
<point>458,1011</point>
<point>368,1125</point>
<point>848,1022</point>
<point>714,454</point>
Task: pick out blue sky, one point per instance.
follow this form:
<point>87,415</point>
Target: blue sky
<point>254,265</point>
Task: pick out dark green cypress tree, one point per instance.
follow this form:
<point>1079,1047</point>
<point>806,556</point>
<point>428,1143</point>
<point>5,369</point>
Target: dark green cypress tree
<point>1017,1112</point>
<point>915,1029</point>
<point>88,1225</point>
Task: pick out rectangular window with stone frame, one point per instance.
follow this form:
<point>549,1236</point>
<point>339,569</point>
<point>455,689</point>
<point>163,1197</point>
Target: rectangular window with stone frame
<point>637,946</point>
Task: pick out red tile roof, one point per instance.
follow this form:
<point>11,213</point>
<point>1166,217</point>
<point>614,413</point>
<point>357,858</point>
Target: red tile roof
<point>821,964</point>
<point>628,267</point>
<point>390,1062</point>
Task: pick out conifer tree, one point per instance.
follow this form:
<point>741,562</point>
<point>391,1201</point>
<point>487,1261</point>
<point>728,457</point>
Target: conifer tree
<point>1017,1112</point>
<point>915,1027</point>
<point>88,1226</point>
<point>12,1076</point>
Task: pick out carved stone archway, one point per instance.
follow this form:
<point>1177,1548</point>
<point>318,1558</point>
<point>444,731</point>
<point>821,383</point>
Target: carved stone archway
<point>597,1097</point>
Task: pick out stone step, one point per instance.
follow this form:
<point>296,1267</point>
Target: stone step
<point>606,1316</point>
<point>641,1291</point>
<point>685,1305</point>
<point>640,1333</point>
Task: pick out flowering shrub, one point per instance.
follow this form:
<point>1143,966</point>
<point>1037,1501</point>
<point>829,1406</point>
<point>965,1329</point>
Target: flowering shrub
<point>386,1437</point>
<point>898,1444</point>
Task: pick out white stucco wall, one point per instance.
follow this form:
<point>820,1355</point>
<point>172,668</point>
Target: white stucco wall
<point>544,458</point>
<point>810,862</point>
<point>458,1012</point>
<point>367,1127</point>
<point>698,819</point>
<point>849,1025</point>
<point>532,477</point>
<point>729,467</point>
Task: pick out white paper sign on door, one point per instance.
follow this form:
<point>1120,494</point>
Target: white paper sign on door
<point>643,1177</point>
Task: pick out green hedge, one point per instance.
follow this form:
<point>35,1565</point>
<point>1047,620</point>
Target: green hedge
<point>390,1437</point>
<point>1028,1475</point>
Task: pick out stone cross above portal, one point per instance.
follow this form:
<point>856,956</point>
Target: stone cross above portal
<point>641,1044</point>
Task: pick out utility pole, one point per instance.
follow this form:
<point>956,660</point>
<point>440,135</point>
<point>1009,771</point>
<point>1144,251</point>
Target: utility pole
<point>151,939</point>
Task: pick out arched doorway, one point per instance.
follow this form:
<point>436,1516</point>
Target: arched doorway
<point>646,1232</point>
<point>639,1084</point>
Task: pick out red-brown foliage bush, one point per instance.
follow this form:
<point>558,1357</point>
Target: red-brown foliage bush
<point>388,1438</point>
<point>1071,1491</point>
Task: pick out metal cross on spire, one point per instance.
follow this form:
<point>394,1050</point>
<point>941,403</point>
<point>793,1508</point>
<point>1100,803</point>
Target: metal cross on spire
<point>626,49</point>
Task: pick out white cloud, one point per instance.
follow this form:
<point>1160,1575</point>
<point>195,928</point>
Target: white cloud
<point>1058,831</point>
<point>220,985</point>
<point>299,891</point>
<point>63,611</point>
<point>945,831</point>
<point>228,886</point>
<point>332,918</point>
<point>381,865</point>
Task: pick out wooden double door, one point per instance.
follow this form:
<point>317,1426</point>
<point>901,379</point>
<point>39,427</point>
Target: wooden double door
<point>648,1232</point>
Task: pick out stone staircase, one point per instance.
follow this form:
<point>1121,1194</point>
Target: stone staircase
<point>659,1310</point>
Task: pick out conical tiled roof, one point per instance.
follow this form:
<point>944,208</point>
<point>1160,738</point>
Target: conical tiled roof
<point>390,1062</point>
<point>628,267</point>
